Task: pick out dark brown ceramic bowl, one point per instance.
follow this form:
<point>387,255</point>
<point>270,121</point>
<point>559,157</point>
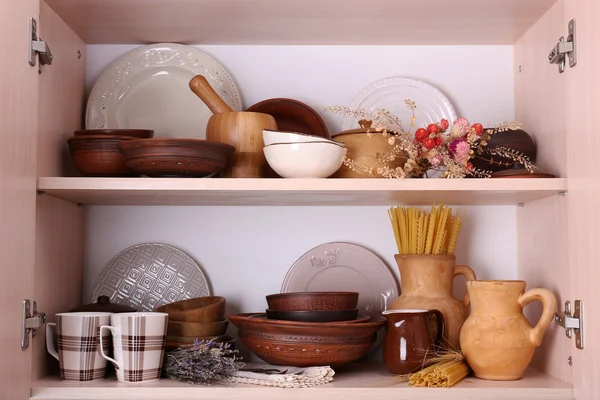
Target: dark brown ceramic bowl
<point>199,309</point>
<point>314,316</point>
<point>312,301</point>
<point>176,157</point>
<point>516,139</point>
<point>99,155</point>
<point>359,320</point>
<point>136,133</point>
<point>303,344</point>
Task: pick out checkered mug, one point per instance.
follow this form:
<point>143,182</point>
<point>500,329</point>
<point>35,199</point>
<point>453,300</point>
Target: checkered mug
<point>77,347</point>
<point>138,345</point>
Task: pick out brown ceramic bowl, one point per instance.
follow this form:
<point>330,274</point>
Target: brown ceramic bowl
<point>312,301</point>
<point>176,157</point>
<point>169,346</point>
<point>187,329</point>
<point>304,344</point>
<point>199,309</point>
<point>99,155</point>
<point>314,316</point>
<point>136,133</point>
<point>359,320</point>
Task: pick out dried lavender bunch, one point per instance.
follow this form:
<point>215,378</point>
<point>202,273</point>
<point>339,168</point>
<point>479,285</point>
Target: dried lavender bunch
<point>206,362</point>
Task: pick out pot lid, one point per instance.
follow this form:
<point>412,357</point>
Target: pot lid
<point>365,125</point>
<point>104,305</point>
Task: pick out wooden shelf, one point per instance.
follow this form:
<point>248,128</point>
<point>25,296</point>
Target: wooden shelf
<point>335,22</point>
<point>278,192</point>
<point>364,382</point>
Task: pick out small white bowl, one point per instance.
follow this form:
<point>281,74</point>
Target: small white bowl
<point>272,137</point>
<point>305,160</point>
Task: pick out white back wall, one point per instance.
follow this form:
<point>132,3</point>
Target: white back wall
<point>246,251</point>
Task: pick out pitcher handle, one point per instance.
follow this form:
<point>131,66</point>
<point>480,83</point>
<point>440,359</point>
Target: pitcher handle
<point>468,273</point>
<point>441,326</point>
<point>549,302</point>
<point>50,334</point>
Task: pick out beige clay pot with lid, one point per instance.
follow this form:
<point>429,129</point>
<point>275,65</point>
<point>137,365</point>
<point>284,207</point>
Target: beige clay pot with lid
<point>363,147</point>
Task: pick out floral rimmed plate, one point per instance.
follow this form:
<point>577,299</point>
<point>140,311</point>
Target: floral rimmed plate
<point>148,88</point>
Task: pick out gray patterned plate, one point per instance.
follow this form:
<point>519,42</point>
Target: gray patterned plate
<point>148,275</point>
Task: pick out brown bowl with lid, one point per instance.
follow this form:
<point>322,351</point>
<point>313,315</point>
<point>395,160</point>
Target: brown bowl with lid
<point>364,144</point>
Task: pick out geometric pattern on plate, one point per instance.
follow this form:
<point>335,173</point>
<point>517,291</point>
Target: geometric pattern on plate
<point>149,275</point>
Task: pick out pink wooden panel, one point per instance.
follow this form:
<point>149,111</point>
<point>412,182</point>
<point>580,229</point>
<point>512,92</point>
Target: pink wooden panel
<point>582,110</point>
<point>18,131</point>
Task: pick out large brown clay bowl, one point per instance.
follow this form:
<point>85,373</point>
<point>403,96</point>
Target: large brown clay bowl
<point>176,157</point>
<point>99,155</point>
<point>187,329</point>
<point>314,316</point>
<point>312,301</point>
<point>305,344</point>
<point>136,133</point>
<point>199,309</point>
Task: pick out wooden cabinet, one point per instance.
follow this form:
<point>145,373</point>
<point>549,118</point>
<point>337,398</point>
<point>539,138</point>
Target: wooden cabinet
<point>42,234</point>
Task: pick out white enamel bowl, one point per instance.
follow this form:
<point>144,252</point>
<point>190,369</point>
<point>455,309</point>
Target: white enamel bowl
<point>272,137</point>
<point>305,160</point>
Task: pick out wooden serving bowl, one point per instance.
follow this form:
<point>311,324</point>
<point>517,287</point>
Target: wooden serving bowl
<point>199,309</point>
<point>136,133</point>
<point>186,329</point>
<point>175,157</point>
<point>312,301</point>
<point>99,155</point>
<point>170,346</point>
<point>305,344</point>
<point>192,339</point>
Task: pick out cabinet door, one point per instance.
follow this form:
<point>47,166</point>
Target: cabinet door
<point>583,142</point>
<point>18,155</point>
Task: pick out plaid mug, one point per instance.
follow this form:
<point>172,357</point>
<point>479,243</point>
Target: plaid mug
<point>77,345</point>
<point>138,345</point>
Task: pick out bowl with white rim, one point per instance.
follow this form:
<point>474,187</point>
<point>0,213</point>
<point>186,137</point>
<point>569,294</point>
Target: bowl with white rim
<point>272,137</point>
<point>305,159</point>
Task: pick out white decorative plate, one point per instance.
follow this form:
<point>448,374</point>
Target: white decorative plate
<point>148,88</point>
<point>146,276</point>
<point>344,267</point>
<point>391,93</point>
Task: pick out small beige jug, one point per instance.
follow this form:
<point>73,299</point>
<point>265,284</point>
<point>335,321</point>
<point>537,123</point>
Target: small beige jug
<point>497,340</point>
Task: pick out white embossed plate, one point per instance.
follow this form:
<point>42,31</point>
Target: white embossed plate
<point>344,267</point>
<point>391,93</point>
<point>148,88</point>
<point>148,275</point>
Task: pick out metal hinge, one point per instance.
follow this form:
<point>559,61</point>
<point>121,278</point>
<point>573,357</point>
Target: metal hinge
<point>572,323</point>
<point>32,321</point>
<point>38,46</point>
<point>565,49</point>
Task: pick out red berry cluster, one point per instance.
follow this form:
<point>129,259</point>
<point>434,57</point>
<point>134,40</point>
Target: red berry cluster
<point>429,137</point>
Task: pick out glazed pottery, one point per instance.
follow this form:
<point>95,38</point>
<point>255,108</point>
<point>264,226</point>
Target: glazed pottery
<point>312,301</point>
<point>426,282</point>
<point>497,341</point>
<point>408,339</point>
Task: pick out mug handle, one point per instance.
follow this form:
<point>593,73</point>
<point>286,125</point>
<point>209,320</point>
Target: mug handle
<point>114,331</point>
<point>441,325</point>
<point>50,335</point>
<point>468,273</point>
<point>549,302</point>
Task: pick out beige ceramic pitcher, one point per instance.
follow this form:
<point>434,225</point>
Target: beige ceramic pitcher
<point>427,282</point>
<point>497,340</point>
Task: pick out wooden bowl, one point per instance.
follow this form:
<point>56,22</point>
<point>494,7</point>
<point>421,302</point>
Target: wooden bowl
<point>136,133</point>
<point>192,339</point>
<point>175,157</point>
<point>199,309</point>
<point>312,301</point>
<point>179,328</point>
<point>305,344</point>
<point>314,316</point>
<point>170,346</point>
<point>99,155</point>
<point>363,148</point>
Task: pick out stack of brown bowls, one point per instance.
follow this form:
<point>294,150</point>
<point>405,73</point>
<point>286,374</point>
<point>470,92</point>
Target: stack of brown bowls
<point>308,329</point>
<point>95,152</point>
<point>201,318</point>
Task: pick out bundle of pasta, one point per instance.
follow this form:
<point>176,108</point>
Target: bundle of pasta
<point>421,232</point>
<point>441,374</point>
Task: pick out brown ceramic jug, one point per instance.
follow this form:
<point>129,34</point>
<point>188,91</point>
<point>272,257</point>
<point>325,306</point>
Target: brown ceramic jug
<point>427,282</point>
<point>497,340</point>
<point>408,339</point>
